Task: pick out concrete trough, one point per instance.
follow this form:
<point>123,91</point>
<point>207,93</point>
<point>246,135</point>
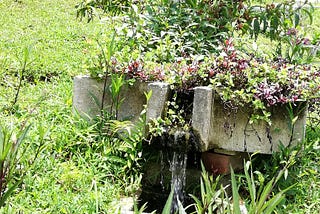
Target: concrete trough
<point>217,128</point>
<point>88,93</point>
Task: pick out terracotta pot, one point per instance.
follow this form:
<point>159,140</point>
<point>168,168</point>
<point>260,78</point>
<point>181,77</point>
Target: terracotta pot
<point>219,164</point>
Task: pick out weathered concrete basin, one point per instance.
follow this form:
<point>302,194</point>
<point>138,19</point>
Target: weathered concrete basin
<point>88,93</point>
<point>219,129</point>
<point>215,127</point>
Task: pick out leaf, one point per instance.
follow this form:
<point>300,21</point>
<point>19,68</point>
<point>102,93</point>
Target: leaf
<point>271,204</point>
<point>181,209</point>
<point>135,8</point>
<point>256,28</point>
<point>148,95</point>
<point>192,3</point>
<point>265,23</point>
<point>250,182</point>
<point>309,15</point>
<point>23,135</point>
<point>296,19</point>
<point>111,47</point>
<point>26,56</point>
<point>294,120</point>
<point>285,174</point>
<point>235,194</point>
<point>167,207</point>
<point>264,195</point>
<point>273,26</point>
<point>9,191</point>
<point>197,204</point>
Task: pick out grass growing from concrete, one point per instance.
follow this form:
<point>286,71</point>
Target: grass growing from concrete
<point>63,180</point>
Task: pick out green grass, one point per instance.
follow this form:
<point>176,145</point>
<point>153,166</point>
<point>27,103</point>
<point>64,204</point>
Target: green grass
<point>59,41</point>
<point>304,196</point>
<point>66,178</point>
<point>62,181</point>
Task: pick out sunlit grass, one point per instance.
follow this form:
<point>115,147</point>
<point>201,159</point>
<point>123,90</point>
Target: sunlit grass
<point>59,41</point>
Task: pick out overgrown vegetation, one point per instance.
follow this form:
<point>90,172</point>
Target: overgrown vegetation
<point>195,43</point>
<point>87,168</point>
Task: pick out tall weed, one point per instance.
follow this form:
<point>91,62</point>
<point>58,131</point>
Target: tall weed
<point>14,162</point>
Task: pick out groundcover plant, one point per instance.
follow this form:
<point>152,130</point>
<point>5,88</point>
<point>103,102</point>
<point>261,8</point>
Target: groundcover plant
<point>194,43</point>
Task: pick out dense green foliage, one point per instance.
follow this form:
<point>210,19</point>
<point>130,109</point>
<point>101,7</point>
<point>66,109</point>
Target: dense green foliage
<point>168,30</point>
<point>195,43</point>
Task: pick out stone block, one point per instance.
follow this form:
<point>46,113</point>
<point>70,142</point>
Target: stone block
<point>230,130</point>
<point>157,103</point>
<point>88,93</point>
<point>201,115</point>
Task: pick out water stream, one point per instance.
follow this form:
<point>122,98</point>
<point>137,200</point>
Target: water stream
<point>178,166</point>
<point>169,171</point>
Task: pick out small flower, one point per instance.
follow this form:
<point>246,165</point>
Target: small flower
<point>211,73</point>
<point>294,98</point>
<point>306,41</point>
<point>282,99</point>
<point>114,61</point>
<point>292,32</point>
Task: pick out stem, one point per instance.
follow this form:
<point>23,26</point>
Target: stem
<point>117,105</point>
<point>104,93</point>
<point>105,80</point>
<point>1,179</point>
<point>19,87</point>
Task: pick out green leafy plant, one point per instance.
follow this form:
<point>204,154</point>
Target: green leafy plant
<point>26,54</point>
<point>117,149</point>
<point>212,197</point>
<point>261,199</point>
<point>168,205</point>
<point>89,8</point>
<point>299,48</point>
<point>174,29</point>
<point>189,44</point>
<point>117,81</point>
<point>275,19</point>
<point>13,163</point>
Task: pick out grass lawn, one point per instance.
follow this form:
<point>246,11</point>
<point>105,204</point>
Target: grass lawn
<point>61,180</point>
<point>67,177</point>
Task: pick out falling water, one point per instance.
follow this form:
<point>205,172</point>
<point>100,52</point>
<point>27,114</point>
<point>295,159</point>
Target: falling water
<point>162,166</point>
<point>172,156</point>
<point>178,181</point>
<point>178,165</point>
